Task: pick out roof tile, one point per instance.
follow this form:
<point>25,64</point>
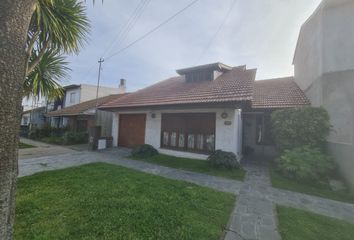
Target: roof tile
<point>278,93</point>
<point>232,86</point>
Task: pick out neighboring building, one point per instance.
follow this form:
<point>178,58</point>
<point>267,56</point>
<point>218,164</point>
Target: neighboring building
<point>80,117</point>
<point>324,69</point>
<point>31,103</point>
<point>75,94</point>
<point>35,116</point>
<point>202,110</point>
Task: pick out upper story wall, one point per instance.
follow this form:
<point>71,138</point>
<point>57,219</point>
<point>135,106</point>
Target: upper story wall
<point>88,92</point>
<point>325,42</point>
<point>72,96</point>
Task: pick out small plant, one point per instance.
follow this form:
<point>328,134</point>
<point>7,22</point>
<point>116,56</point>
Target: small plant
<point>144,150</point>
<point>222,159</point>
<point>305,163</point>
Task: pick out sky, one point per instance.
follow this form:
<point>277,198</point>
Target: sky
<point>261,34</point>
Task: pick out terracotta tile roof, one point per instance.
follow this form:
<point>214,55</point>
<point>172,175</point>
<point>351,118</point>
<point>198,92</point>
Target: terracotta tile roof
<point>80,108</point>
<point>232,86</point>
<point>278,93</point>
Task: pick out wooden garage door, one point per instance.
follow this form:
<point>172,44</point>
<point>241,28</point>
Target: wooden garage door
<point>131,130</point>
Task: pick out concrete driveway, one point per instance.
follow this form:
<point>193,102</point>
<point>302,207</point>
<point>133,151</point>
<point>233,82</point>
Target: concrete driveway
<point>43,149</point>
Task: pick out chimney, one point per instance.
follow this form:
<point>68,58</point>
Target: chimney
<point>122,85</point>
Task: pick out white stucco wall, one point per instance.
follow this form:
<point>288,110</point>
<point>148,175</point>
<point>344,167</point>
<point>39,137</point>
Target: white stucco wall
<point>226,136</point>
<point>115,128</point>
<point>325,42</point>
<point>153,129</point>
<point>324,69</point>
<point>88,92</point>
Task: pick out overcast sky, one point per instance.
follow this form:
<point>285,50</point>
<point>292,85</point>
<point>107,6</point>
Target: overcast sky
<point>259,33</point>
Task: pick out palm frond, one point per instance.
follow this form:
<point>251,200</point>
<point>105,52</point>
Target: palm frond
<point>45,79</point>
<point>61,22</point>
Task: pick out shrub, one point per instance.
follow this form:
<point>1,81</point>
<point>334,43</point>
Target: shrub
<point>144,150</point>
<point>33,134</point>
<point>75,138</point>
<point>298,127</point>
<point>24,131</point>
<point>222,159</point>
<point>305,163</point>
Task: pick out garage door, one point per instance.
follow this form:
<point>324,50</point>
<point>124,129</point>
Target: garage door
<point>131,130</point>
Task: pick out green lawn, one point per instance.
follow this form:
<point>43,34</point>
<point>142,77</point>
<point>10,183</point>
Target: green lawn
<point>22,145</point>
<point>193,165</point>
<point>102,201</point>
<point>312,188</point>
<point>297,224</point>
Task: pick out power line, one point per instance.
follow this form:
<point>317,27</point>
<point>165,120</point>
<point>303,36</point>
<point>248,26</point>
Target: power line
<point>153,30</point>
<point>216,33</point>
<point>123,33</point>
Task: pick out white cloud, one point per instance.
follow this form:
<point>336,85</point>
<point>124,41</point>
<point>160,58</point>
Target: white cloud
<point>260,34</point>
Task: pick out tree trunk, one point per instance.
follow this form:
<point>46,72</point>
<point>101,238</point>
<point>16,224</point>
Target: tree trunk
<point>15,16</point>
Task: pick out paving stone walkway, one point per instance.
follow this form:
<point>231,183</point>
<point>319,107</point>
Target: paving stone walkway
<point>254,216</point>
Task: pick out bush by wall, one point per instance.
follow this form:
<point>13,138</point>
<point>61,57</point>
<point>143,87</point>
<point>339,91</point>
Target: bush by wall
<point>143,151</point>
<point>75,138</point>
<point>305,163</point>
<point>222,159</point>
<point>296,127</point>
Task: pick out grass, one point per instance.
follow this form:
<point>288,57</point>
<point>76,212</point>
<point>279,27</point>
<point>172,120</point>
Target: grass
<point>297,224</point>
<point>312,188</point>
<point>52,140</point>
<point>102,201</point>
<point>22,145</point>
<point>193,165</point>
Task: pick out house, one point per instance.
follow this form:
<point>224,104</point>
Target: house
<point>207,107</point>
<point>76,94</point>
<point>35,116</point>
<point>80,117</point>
<point>324,70</point>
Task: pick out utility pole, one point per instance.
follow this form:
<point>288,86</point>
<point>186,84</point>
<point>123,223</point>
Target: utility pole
<point>93,132</point>
<point>98,80</point>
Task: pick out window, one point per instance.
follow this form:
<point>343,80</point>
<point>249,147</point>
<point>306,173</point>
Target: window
<point>193,132</point>
<point>181,140</point>
<point>199,76</point>
<point>72,97</point>
<point>173,139</point>
<point>191,141</point>
<point>165,138</point>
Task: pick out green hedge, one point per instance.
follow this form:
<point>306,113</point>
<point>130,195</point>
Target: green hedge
<point>306,163</point>
<point>297,127</point>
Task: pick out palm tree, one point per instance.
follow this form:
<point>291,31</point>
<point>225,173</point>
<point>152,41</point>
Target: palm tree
<point>15,21</point>
<point>57,27</point>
